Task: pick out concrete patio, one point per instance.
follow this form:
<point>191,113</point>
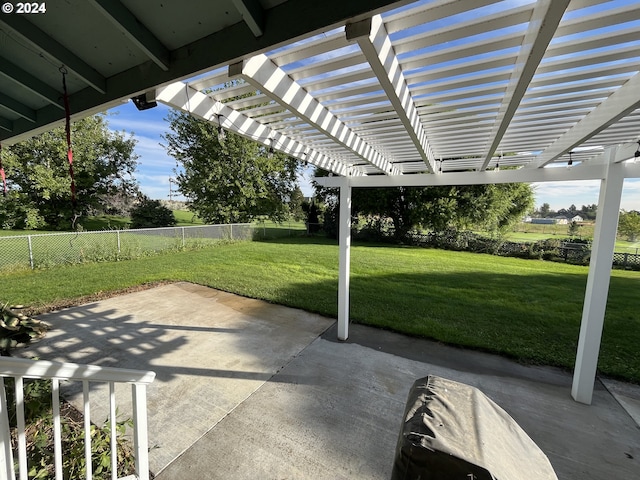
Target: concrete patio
<point>246,389</point>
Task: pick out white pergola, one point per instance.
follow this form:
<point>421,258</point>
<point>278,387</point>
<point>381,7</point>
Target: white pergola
<point>380,93</point>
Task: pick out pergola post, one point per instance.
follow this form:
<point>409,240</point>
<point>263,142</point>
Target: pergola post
<point>344,236</point>
<point>597,289</point>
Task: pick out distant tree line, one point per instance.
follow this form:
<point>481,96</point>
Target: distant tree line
<point>588,212</point>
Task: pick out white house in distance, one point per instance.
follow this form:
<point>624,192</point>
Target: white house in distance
<point>557,220</point>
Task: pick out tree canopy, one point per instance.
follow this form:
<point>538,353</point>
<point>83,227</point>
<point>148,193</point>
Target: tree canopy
<point>37,172</point>
<point>491,207</point>
<point>232,181</point>
<point>629,225</point>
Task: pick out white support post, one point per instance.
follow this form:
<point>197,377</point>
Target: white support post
<point>344,236</point>
<point>140,438</point>
<point>597,289</point>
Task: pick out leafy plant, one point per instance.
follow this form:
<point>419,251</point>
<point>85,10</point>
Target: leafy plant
<point>17,328</point>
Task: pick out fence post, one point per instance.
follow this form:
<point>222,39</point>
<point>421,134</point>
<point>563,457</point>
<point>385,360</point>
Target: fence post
<point>231,232</point>
<point>183,237</point>
<point>624,263</point>
<point>30,252</point>
<point>118,234</point>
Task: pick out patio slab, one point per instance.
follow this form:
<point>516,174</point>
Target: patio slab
<point>246,389</point>
<point>210,350</point>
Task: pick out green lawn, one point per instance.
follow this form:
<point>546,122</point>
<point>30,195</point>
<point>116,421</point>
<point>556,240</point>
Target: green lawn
<point>525,309</point>
<point>185,218</point>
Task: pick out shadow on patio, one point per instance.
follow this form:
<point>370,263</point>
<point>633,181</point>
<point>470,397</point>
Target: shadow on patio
<point>246,389</point>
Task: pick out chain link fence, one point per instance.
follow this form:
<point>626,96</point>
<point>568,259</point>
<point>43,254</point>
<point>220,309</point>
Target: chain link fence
<point>51,249</point>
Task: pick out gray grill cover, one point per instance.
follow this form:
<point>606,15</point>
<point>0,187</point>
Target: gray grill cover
<point>453,431</point>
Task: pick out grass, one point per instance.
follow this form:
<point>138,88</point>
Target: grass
<point>185,218</point>
<point>525,309</point>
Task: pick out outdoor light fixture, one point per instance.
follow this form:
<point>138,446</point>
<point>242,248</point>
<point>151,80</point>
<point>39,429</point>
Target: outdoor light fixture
<point>570,162</point>
<point>145,101</point>
<point>637,154</point>
<point>222,135</point>
<point>497,169</point>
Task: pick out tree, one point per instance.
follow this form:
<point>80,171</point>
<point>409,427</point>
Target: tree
<point>37,171</point>
<point>629,225</point>
<point>232,181</point>
<point>588,212</point>
<point>545,210</point>
<point>150,214</point>
<point>295,205</point>
<point>574,229</point>
<point>491,207</point>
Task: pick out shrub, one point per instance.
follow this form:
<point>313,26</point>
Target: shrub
<point>17,328</point>
<point>150,214</point>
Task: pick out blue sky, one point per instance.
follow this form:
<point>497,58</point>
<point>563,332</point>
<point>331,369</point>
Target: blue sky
<point>156,166</point>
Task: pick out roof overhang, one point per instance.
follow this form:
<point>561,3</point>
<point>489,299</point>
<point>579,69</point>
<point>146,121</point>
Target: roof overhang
<point>115,50</point>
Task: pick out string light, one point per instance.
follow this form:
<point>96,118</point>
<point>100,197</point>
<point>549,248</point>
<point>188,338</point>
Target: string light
<point>271,150</point>
<point>222,134</point>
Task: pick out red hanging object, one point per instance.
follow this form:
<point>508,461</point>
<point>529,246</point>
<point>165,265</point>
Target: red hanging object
<point>67,111</point>
<point>4,178</point>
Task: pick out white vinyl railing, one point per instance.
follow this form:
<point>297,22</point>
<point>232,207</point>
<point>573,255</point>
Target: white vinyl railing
<point>19,369</point>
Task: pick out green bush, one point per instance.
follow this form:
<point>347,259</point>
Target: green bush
<point>151,214</point>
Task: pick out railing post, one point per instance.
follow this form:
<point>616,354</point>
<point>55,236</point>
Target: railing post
<point>22,438</point>
<point>87,429</point>
<point>6,457</point>
<point>140,439</point>
<point>57,427</point>
<point>30,252</point>
<point>113,430</point>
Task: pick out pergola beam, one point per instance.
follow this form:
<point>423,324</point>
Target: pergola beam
<point>44,44</point>
<point>542,26</point>
<point>619,104</point>
<point>252,14</point>
<point>6,124</point>
<point>375,43</point>
<point>265,75</point>
<point>585,171</point>
<point>31,83</point>
<point>183,97</point>
<point>134,30</point>
<point>18,108</point>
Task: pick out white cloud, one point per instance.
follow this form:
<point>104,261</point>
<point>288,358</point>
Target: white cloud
<point>583,192</point>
